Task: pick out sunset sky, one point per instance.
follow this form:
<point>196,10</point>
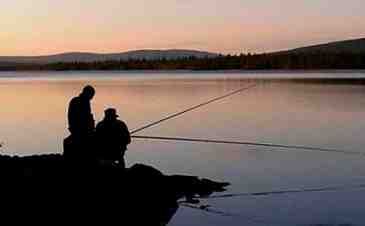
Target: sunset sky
<point>36,27</point>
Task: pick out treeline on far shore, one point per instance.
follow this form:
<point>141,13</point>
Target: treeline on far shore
<point>285,61</point>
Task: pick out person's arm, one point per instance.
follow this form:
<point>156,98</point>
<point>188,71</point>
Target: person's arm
<point>126,133</point>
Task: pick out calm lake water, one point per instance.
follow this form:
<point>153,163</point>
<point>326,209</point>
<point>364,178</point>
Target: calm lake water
<point>33,121</point>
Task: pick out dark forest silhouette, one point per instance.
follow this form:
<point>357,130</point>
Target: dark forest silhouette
<point>319,60</point>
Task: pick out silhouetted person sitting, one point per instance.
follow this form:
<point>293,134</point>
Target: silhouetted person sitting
<point>113,137</point>
<point>81,125</point>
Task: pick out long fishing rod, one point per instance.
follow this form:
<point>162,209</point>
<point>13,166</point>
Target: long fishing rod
<point>307,148</point>
<point>283,192</point>
<point>192,108</point>
<point>228,142</point>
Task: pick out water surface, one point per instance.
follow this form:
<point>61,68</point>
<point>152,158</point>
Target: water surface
<point>33,121</point>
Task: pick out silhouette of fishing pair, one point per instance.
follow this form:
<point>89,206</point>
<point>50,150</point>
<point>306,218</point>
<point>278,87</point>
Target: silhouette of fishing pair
<point>47,184</point>
<point>106,143</point>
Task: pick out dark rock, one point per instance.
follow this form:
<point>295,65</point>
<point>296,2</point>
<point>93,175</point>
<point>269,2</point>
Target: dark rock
<point>52,187</point>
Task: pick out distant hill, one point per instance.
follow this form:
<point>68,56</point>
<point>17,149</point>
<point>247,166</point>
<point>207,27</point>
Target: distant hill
<point>348,46</point>
<point>92,57</point>
<point>348,54</point>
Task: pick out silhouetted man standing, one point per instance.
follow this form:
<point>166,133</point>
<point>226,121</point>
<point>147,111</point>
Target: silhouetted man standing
<point>80,145</point>
<point>113,137</point>
<point>80,118</point>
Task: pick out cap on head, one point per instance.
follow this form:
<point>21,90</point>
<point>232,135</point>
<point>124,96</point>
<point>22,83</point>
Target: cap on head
<point>111,113</point>
<point>88,91</point>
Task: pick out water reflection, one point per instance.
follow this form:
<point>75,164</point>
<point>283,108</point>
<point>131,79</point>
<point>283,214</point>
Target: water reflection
<point>286,113</point>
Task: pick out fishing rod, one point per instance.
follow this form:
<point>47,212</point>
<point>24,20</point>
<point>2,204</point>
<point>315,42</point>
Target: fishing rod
<point>193,108</point>
<point>306,148</point>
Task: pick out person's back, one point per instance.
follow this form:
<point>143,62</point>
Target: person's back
<point>80,144</point>
<point>80,118</point>
<point>113,137</point>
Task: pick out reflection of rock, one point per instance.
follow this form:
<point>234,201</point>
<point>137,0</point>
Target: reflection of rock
<point>50,186</point>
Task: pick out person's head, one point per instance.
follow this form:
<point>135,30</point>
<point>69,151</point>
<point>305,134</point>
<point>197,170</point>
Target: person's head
<point>88,92</point>
<point>111,114</point>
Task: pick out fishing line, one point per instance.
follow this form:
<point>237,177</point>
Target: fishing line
<point>193,108</point>
<point>306,148</point>
<point>283,192</point>
<point>208,209</point>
